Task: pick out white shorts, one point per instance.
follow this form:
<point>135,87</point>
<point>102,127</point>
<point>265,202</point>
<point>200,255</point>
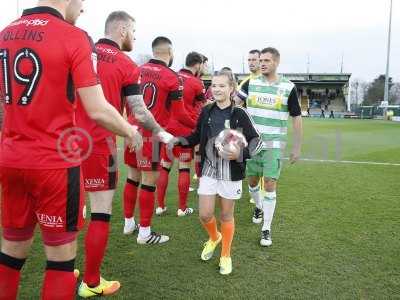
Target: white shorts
<point>226,189</point>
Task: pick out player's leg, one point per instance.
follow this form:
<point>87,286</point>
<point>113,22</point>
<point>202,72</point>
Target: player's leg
<point>96,240</point>
<point>254,173</point>
<point>148,161</point>
<point>59,278</point>
<point>18,224</point>
<point>100,178</point>
<point>12,258</point>
<point>272,171</point>
<point>130,192</point>
<point>146,201</point>
<point>183,189</point>
<point>185,157</point>
<point>130,197</point>
<point>269,203</point>
<point>163,179</point>
<point>59,209</point>
<point>162,185</point>
<point>207,194</point>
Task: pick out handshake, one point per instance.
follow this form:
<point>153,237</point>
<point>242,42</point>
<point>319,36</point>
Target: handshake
<point>135,140</point>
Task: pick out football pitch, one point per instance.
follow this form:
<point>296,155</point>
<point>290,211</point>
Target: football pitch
<point>335,231</point>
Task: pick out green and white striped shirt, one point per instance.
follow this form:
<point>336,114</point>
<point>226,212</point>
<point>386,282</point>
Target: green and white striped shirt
<point>269,105</point>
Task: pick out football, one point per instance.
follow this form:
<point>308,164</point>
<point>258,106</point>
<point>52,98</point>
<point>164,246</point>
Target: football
<point>229,140</point>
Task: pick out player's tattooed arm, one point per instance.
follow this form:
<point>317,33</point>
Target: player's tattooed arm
<point>142,114</point>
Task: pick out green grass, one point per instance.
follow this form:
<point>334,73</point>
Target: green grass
<point>335,232</point>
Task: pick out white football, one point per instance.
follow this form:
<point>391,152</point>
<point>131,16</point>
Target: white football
<point>229,140</point>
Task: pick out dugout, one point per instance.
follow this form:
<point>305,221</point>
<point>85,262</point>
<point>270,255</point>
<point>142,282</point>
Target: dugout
<point>328,91</point>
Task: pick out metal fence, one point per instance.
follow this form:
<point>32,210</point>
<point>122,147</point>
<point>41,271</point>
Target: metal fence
<point>377,112</point>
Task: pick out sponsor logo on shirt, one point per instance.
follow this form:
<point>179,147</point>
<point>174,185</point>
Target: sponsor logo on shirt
<point>106,50</point>
<point>267,101</point>
<point>50,221</point>
<point>35,22</point>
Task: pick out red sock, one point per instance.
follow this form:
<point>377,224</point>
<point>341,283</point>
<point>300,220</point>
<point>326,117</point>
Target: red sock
<point>197,168</point>
<point>183,187</point>
<point>130,196</point>
<point>162,184</point>
<point>10,270</point>
<point>59,281</point>
<point>95,246</point>
<point>146,201</point>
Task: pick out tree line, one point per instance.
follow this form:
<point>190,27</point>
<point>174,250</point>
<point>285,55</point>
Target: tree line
<point>371,93</point>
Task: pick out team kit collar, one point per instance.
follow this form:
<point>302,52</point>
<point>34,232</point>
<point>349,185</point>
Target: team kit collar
<point>263,79</point>
<point>186,71</point>
<point>109,42</point>
<point>43,10</point>
<point>157,62</point>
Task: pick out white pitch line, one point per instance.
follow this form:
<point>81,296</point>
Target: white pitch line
<point>372,163</point>
<point>350,162</point>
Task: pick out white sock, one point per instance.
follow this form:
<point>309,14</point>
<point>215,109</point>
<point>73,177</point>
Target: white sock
<point>268,209</point>
<point>144,232</point>
<point>255,193</point>
<point>130,221</point>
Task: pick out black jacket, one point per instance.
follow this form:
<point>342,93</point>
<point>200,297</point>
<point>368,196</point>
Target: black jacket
<point>240,120</point>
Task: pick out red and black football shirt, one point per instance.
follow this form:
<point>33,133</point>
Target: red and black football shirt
<point>193,98</point>
<point>44,60</point>
<point>119,77</point>
<point>162,93</point>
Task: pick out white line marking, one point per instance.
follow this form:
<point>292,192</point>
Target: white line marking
<point>349,162</point>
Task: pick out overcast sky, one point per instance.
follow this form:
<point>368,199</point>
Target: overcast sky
<point>226,30</point>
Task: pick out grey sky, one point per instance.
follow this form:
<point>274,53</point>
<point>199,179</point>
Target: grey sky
<point>226,30</point>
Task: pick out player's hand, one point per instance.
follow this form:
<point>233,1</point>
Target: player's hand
<point>294,156</point>
<point>209,101</point>
<point>231,153</point>
<point>135,141</point>
<point>165,137</point>
<point>174,141</point>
